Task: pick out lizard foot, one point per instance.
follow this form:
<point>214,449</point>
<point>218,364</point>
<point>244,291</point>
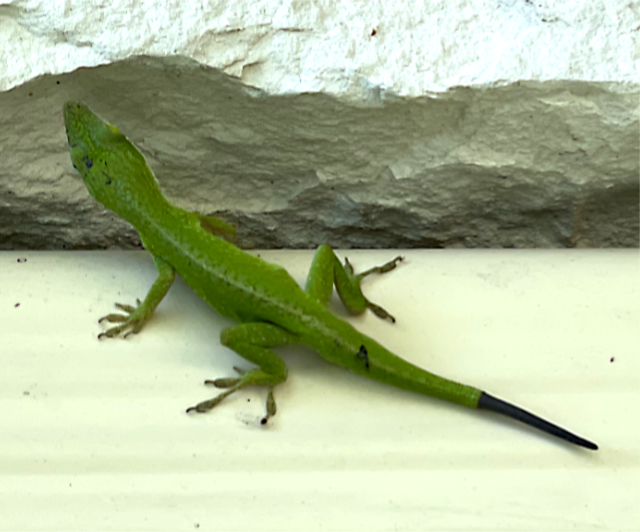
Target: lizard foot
<point>132,321</point>
<point>386,267</point>
<point>233,384</point>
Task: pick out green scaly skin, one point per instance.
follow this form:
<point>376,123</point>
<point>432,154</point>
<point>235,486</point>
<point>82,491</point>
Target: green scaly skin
<point>271,308</point>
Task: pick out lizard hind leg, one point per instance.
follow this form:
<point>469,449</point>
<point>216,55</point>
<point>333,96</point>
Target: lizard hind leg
<point>327,271</point>
<point>253,342</point>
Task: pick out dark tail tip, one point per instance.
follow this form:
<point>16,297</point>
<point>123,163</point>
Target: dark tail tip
<point>488,402</point>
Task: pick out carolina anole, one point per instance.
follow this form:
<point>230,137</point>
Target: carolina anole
<point>270,306</point>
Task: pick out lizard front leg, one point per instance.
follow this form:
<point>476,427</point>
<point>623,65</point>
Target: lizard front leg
<point>137,316</point>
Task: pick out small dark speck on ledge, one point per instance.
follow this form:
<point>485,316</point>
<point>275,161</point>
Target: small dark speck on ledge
<point>612,359</point>
<point>22,259</point>
<point>16,305</point>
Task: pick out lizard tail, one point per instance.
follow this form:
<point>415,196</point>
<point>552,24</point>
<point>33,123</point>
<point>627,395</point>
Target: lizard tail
<point>488,402</point>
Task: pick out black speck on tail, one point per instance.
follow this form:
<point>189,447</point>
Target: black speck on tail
<point>488,402</point>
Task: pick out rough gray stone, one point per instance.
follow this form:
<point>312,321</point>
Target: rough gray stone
<point>526,164</point>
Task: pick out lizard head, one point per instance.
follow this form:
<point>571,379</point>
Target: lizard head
<point>113,170</point>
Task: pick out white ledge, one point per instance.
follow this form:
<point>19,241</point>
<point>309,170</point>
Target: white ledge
<point>95,434</point>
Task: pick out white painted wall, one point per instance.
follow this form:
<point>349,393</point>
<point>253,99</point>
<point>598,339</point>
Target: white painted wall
<point>409,47</point>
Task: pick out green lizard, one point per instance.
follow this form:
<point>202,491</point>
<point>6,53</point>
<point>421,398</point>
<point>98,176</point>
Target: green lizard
<point>270,306</point>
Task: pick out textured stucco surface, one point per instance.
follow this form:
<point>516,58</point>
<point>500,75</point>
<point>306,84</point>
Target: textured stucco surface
<point>445,125</point>
<point>408,47</point>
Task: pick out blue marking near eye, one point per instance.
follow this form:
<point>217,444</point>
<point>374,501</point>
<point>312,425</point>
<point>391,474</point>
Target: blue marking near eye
<point>88,162</point>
